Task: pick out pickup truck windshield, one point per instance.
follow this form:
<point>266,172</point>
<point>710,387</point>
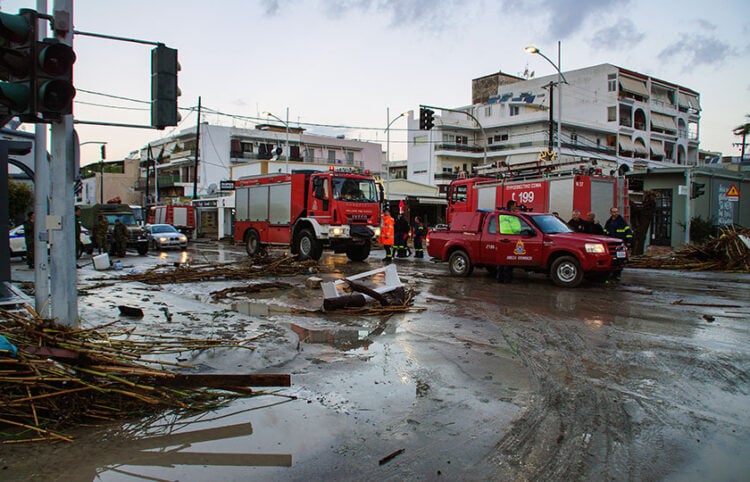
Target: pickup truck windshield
<point>550,224</point>
<point>126,219</point>
<point>354,190</point>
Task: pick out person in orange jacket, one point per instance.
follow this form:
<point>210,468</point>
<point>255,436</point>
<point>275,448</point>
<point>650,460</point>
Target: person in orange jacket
<point>387,234</point>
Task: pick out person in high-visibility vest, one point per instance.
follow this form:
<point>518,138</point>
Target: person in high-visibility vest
<point>387,234</point>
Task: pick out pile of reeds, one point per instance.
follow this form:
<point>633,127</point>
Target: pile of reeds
<point>727,252</point>
<point>61,377</point>
<point>252,268</point>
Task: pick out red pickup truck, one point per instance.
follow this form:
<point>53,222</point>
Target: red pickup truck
<point>532,241</point>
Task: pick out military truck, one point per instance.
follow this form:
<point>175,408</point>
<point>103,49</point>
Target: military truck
<point>137,239</point>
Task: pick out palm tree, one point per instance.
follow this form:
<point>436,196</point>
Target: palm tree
<point>742,130</point>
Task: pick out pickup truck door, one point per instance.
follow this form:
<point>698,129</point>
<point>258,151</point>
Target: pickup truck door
<point>519,244</point>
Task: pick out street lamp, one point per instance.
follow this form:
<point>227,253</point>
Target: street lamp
<point>286,124</point>
<point>532,49</point>
<point>388,149</point>
<point>101,166</point>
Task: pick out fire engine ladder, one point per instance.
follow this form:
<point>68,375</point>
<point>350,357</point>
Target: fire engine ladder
<point>383,279</point>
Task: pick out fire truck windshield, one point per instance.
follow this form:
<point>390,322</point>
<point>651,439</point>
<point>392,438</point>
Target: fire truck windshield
<point>354,190</point>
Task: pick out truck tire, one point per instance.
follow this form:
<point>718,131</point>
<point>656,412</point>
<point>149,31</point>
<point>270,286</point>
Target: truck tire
<point>358,252</point>
<point>307,246</point>
<point>566,272</point>
<point>142,248</point>
<point>252,242</point>
<point>460,264</point>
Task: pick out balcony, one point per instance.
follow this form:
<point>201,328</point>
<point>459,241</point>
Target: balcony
<point>458,148</point>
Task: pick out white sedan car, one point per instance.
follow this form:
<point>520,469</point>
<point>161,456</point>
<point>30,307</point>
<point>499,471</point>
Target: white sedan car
<point>164,236</point>
<point>17,240</point>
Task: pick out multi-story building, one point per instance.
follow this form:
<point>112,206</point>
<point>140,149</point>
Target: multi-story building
<point>612,117</point>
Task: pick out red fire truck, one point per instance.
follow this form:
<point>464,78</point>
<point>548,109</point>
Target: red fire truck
<point>181,217</point>
<point>309,211</point>
<point>556,193</point>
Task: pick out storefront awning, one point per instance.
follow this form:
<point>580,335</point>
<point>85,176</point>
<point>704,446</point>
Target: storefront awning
<point>637,87</point>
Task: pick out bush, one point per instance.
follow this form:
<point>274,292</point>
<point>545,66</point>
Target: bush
<point>701,230</point>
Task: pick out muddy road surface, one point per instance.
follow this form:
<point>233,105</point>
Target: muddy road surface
<point>645,379</point>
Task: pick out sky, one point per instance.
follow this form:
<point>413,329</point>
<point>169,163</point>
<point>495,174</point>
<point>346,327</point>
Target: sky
<point>340,66</point>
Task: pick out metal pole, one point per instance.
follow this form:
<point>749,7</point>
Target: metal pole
<point>41,203</point>
<point>286,167</point>
<point>688,185</point>
<point>388,154</point>
<point>197,150</point>
<point>559,105</point>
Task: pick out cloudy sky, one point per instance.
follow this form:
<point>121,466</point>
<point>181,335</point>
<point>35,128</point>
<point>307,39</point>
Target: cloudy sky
<point>338,65</point>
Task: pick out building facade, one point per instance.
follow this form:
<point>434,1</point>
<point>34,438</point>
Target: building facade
<point>614,118</point>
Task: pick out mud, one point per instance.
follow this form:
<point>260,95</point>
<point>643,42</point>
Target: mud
<point>491,382</point>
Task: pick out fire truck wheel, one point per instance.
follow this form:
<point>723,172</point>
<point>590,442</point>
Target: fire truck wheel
<point>252,242</point>
<point>566,272</point>
<point>460,264</point>
<point>308,247</point>
<point>358,253</point>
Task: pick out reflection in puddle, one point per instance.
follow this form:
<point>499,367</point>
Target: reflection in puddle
<point>340,338</point>
<point>257,309</point>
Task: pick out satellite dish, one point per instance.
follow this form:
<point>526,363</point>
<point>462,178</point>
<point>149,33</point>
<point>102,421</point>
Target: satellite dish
<point>212,188</point>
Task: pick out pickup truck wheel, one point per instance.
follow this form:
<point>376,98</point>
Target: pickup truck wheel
<point>358,252</point>
<point>308,247</point>
<point>566,272</point>
<point>460,264</point>
<point>252,242</point>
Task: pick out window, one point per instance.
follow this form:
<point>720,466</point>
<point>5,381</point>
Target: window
<point>612,83</point>
<point>515,110</point>
<point>421,140</point>
<point>350,158</point>
<point>611,114</point>
<point>462,140</point>
<point>309,154</point>
<point>331,156</point>
<point>574,137</point>
<point>492,227</point>
<point>501,137</point>
<point>488,111</point>
<point>459,194</point>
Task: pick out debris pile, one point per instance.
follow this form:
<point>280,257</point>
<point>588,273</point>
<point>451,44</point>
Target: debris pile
<point>730,251</point>
<point>53,377</point>
<point>252,268</point>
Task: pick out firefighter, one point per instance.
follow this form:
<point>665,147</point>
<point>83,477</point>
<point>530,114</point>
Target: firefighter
<point>386,235</point>
<point>617,227</point>
<point>402,235</point>
<point>419,233</point>
<point>577,223</point>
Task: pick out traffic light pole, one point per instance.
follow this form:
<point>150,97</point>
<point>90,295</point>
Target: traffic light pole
<point>61,220</point>
<point>688,201</point>
<point>486,142</point>
<point>41,204</point>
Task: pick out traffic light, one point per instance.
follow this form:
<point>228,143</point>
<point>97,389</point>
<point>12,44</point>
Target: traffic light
<point>164,90</point>
<point>697,189</point>
<point>17,62</point>
<point>38,74</point>
<point>426,119</point>
<point>54,91</point>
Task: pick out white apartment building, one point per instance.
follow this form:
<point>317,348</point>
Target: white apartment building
<point>611,117</point>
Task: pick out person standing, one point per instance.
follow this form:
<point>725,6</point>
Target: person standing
<point>577,223</point>
<point>28,234</point>
<point>386,235</point>
<point>79,245</point>
<point>100,233</point>
<point>419,233</point>
<point>120,235</point>
<point>402,235</point>
<point>617,227</point>
<point>593,226</point>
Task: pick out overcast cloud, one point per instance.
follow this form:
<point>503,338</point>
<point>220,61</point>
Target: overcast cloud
<point>622,36</point>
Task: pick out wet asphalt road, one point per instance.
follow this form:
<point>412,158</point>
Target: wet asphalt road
<point>645,379</point>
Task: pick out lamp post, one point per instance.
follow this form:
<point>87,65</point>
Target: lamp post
<point>286,125</point>
<point>532,49</point>
<point>101,166</point>
<point>388,149</point>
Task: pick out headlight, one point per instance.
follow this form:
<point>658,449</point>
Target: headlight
<point>338,231</point>
<point>596,248</point>
<point>162,239</point>
<point>183,239</point>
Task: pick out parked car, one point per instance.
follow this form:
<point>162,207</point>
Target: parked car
<point>164,236</point>
<point>17,239</point>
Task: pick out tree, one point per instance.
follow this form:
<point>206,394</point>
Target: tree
<point>743,130</point>
<point>20,200</point>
